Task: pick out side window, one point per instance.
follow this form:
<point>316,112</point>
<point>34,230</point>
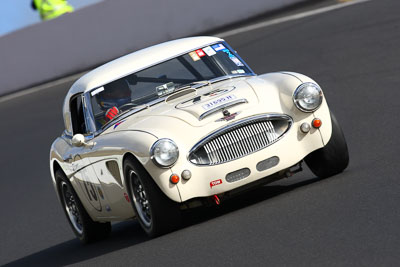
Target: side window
<point>77,117</point>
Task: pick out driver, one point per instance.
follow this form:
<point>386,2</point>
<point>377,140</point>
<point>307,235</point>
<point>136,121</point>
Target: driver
<point>115,95</point>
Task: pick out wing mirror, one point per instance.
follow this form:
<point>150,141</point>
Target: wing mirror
<point>78,140</point>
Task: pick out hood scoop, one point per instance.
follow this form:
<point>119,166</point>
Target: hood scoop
<point>211,102</point>
<point>198,106</point>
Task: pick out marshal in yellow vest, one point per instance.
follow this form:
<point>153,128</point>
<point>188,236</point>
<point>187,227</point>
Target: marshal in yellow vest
<point>50,9</point>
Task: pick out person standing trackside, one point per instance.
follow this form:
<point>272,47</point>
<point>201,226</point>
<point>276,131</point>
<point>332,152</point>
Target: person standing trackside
<point>51,9</point>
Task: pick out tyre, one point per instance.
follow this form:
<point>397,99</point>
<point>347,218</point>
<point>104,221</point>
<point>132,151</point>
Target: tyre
<point>156,213</point>
<point>333,158</point>
<point>83,226</point>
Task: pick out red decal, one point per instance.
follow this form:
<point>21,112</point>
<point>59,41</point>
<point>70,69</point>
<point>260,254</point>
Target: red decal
<point>127,197</point>
<point>216,182</point>
<point>200,53</point>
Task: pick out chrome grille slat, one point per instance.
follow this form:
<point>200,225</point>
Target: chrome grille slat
<point>257,136</point>
<point>214,144</point>
<point>250,140</point>
<point>240,139</point>
<point>272,131</point>
<point>245,141</point>
<point>263,139</point>
<point>267,131</point>
<point>239,142</point>
<point>221,149</point>
<point>232,144</point>
<point>264,126</point>
<point>212,152</point>
<point>227,147</point>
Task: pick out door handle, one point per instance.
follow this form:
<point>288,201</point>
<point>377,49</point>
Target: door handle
<point>68,158</point>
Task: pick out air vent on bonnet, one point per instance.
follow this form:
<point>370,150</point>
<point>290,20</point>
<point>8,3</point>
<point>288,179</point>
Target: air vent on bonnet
<point>180,94</point>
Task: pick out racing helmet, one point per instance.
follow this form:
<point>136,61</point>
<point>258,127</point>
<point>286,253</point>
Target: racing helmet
<point>115,94</point>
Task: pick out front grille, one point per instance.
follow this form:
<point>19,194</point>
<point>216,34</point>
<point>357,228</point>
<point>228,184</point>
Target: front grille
<point>240,139</point>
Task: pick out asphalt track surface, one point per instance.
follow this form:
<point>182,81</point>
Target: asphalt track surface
<point>351,219</point>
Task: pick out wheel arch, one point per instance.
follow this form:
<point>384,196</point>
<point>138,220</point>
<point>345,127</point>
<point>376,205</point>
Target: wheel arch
<point>159,176</point>
<point>131,156</point>
<point>55,166</point>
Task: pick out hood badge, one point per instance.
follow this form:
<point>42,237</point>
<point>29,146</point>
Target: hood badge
<point>228,116</point>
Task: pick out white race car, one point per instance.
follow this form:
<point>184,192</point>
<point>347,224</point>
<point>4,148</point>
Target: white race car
<point>182,124</point>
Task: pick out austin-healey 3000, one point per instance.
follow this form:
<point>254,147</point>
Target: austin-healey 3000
<point>181,124</point>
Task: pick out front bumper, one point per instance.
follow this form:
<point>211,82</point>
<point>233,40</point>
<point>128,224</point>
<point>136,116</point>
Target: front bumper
<point>292,148</point>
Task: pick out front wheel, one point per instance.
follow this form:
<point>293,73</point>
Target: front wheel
<point>333,158</point>
<point>83,226</point>
<point>156,213</point>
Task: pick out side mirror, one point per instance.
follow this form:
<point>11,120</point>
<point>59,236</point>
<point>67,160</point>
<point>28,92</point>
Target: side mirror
<point>78,140</point>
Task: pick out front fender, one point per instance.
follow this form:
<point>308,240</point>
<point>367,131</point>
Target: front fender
<point>137,143</point>
<point>284,84</point>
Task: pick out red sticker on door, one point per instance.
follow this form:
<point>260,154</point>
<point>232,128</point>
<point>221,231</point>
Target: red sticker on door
<point>216,182</point>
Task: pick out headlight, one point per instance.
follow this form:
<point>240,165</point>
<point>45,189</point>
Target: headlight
<point>164,152</point>
<point>307,97</point>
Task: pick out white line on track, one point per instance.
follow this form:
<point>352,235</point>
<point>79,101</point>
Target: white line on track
<point>222,35</point>
<point>41,87</point>
<point>288,18</point>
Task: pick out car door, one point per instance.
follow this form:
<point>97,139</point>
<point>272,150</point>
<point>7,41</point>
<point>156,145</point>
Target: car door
<point>87,184</point>
<point>98,172</point>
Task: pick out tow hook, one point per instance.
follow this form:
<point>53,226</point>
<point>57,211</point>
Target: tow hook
<point>216,200</point>
<point>294,169</point>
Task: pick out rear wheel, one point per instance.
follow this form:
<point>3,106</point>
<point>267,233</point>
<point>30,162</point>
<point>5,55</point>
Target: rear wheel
<point>156,213</point>
<point>333,158</point>
<point>83,226</point>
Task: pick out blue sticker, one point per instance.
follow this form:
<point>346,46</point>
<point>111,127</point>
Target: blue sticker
<point>218,47</point>
<point>228,52</point>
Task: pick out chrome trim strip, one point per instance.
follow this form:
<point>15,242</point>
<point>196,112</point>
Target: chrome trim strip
<point>224,106</point>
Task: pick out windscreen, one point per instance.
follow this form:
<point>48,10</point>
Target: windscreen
<point>162,79</point>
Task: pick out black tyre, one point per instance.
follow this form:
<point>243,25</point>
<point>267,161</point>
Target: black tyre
<point>83,226</point>
<point>333,158</point>
<point>156,213</point>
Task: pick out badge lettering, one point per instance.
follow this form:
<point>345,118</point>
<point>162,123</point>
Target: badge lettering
<point>218,101</point>
<point>216,182</point>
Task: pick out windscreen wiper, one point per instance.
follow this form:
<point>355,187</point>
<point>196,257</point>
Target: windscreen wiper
<point>194,85</point>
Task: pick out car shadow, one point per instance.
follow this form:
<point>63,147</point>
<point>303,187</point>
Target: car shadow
<point>251,197</point>
<point>128,234</point>
<point>124,234</point>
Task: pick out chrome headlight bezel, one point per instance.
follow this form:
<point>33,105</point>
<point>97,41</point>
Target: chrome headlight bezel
<point>155,152</point>
<point>299,101</point>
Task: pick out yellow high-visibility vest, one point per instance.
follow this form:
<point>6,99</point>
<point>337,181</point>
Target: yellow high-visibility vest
<point>50,9</point>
